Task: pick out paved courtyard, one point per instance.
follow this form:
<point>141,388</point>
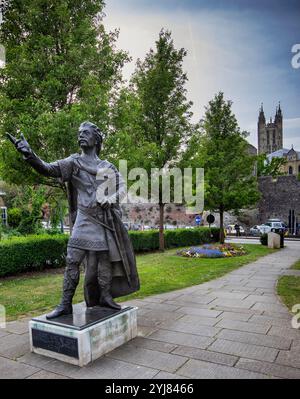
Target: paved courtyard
<point>232,327</point>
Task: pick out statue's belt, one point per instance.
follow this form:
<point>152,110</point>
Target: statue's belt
<point>89,213</point>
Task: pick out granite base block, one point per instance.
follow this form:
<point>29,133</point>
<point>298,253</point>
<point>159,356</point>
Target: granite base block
<point>85,336</point>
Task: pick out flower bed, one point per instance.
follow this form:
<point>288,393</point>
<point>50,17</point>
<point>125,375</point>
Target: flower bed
<point>213,251</point>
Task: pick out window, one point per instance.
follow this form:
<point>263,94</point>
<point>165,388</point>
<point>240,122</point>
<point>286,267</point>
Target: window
<point>4,215</point>
<point>299,169</point>
<point>274,139</point>
<point>291,170</point>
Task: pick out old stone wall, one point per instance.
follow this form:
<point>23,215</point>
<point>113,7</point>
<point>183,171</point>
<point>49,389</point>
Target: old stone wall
<point>278,197</point>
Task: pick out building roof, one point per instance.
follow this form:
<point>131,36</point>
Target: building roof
<point>281,153</point>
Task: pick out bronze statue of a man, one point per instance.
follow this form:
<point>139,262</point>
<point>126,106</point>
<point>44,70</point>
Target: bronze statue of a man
<point>98,234</point>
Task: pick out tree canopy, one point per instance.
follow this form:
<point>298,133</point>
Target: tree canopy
<point>62,67</point>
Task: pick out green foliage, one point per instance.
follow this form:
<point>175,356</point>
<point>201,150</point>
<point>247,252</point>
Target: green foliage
<point>29,202</point>
<point>264,239</point>
<point>38,252</point>
<point>222,151</point>
<point>31,253</point>
<point>14,217</point>
<point>288,289</point>
<point>61,69</point>
<point>270,168</point>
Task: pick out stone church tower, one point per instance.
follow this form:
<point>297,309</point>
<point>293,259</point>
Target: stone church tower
<point>270,135</point>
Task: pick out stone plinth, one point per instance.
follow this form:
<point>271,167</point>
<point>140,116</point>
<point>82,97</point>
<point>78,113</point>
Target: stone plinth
<point>273,240</point>
<point>84,336</point>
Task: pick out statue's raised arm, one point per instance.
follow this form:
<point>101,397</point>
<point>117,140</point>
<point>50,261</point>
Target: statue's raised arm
<point>44,168</point>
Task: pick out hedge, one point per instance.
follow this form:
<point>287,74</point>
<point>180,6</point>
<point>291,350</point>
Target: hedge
<point>38,252</point>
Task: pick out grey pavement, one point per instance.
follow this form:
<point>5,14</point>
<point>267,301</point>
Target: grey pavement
<point>231,327</point>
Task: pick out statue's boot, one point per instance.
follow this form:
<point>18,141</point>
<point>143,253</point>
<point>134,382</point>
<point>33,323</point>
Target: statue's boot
<point>105,281</point>
<point>71,280</point>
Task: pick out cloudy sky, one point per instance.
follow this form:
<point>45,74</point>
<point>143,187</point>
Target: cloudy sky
<point>241,47</point>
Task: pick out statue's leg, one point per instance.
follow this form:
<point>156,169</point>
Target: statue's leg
<point>105,281</point>
<point>71,279</point>
<point>91,286</point>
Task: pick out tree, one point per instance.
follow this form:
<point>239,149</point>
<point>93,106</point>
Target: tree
<point>273,168</point>
<point>160,123</point>
<point>61,68</point>
<point>230,183</point>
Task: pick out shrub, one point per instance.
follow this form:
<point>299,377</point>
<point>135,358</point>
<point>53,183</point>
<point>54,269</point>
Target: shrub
<point>264,239</point>
<point>32,253</point>
<point>37,252</point>
<point>14,217</point>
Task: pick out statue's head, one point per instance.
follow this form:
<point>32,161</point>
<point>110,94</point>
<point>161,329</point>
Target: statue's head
<point>89,135</point>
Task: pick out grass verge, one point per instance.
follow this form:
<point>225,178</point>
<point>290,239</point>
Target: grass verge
<point>296,266</point>
<point>288,288</point>
<point>159,273</point>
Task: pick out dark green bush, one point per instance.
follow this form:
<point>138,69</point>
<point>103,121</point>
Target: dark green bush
<point>30,253</point>
<point>149,240</point>
<point>37,252</point>
<point>264,239</point>
<point>14,216</point>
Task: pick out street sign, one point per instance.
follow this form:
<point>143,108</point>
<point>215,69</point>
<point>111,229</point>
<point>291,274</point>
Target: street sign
<point>198,220</point>
<point>210,219</point>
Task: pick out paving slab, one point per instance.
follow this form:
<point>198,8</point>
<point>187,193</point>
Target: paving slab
<point>205,355</point>
<point>269,368</point>
<point>149,358</point>
<point>10,369</point>
<point>47,375</point>
<point>199,312</point>
<point>291,333</point>
<point>289,358</point>
<point>243,326</point>
<point>17,327</point>
<point>205,370</point>
<point>244,350</point>
<point>103,368</point>
<point>256,339</point>
<point>190,328</point>
<point>203,321</point>
<point>235,316</point>
<point>179,338</point>
<point>163,375</point>
<point>14,345</point>
<point>152,344</point>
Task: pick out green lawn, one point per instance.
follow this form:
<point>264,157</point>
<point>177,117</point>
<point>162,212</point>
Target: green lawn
<point>159,272</point>
<point>289,290</point>
<point>296,265</point>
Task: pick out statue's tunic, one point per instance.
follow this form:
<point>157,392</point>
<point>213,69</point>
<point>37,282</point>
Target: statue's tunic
<point>87,178</point>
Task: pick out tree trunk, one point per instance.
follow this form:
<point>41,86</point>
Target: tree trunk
<point>222,237</point>
<point>161,227</point>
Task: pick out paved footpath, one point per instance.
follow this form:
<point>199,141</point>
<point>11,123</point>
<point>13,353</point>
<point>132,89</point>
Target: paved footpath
<point>232,327</point>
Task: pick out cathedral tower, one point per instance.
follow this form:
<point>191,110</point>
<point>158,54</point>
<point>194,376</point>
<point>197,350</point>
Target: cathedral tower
<point>270,135</point>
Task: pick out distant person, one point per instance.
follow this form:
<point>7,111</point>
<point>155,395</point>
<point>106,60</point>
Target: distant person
<point>237,230</point>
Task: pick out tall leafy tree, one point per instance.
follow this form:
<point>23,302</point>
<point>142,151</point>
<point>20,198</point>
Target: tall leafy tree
<point>161,121</point>
<point>62,67</point>
<point>222,150</point>
<point>273,168</point>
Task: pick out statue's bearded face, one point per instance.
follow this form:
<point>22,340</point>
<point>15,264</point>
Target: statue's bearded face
<point>86,137</point>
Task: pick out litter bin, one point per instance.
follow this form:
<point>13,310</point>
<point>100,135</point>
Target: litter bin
<point>281,233</point>
<point>282,238</point>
